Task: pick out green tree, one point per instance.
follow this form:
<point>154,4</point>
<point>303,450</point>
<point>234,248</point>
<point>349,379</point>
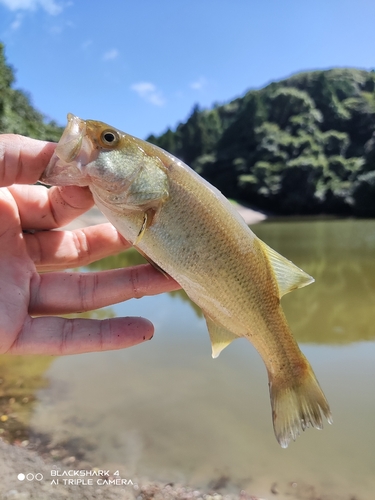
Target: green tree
<point>302,145</point>
<point>287,102</point>
<point>364,195</point>
<point>17,115</point>
<point>199,135</point>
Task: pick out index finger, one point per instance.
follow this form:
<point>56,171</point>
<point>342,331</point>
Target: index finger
<point>23,160</point>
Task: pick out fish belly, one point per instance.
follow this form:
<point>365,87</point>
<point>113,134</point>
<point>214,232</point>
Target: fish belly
<point>200,240</point>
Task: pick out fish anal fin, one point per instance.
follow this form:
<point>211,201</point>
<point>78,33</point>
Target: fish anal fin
<point>289,277</point>
<point>220,336</point>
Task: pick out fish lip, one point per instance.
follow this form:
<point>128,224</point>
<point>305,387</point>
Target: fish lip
<point>73,152</point>
<point>70,142</point>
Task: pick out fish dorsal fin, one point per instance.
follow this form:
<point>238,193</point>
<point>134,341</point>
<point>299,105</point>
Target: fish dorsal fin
<point>220,336</point>
<point>289,277</point>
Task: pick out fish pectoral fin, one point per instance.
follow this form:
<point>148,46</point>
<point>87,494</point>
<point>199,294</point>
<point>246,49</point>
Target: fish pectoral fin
<point>148,218</point>
<point>289,277</point>
<point>220,336</point>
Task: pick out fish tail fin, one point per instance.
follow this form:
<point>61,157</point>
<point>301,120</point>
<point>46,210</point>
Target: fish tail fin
<point>297,405</point>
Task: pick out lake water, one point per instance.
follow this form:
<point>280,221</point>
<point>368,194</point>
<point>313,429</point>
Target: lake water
<point>168,411</point>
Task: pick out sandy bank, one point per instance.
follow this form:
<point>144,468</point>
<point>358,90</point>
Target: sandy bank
<point>24,475</point>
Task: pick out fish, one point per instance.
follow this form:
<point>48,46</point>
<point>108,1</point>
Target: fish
<point>188,230</point>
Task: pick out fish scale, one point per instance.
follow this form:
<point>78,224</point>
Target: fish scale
<point>188,229</point>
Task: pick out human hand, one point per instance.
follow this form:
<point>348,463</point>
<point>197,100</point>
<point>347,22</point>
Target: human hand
<point>28,213</point>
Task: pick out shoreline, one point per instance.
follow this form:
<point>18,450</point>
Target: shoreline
<point>22,458</point>
<point>41,457</point>
<point>27,473</point>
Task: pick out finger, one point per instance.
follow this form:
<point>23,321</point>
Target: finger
<point>23,160</point>
<point>58,250</point>
<point>59,336</point>
<point>11,242</point>
<point>64,293</point>
<point>42,208</point>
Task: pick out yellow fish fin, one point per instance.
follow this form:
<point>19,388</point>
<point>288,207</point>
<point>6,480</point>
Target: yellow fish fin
<point>220,336</point>
<point>297,406</point>
<point>148,218</point>
<point>289,277</point>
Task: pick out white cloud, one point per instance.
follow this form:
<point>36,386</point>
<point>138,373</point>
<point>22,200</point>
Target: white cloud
<point>17,22</point>
<point>50,6</point>
<point>55,29</point>
<point>199,84</point>
<point>86,44</point>
<point>149,92</point>
<point>110,55</point>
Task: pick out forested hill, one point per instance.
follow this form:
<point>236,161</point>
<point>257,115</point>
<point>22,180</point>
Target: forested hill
<point>17,114</point>
<point>304,145</point>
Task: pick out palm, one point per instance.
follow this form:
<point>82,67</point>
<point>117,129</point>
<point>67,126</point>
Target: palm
<point>28,300</point>
<point>17,273</point>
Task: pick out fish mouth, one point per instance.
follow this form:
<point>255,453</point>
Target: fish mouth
<point>71,141</point>
<point>73,152</point>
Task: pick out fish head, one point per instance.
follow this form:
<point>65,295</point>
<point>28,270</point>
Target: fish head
<point>119,169</point>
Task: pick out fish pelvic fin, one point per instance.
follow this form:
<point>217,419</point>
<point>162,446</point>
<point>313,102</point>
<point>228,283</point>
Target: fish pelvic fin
<point>220,336</point>
<point>150,261</point>
<point>298,406</point>
<point>289,277</point>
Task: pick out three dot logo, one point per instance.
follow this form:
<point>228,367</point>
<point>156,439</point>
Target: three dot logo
<point>30,477</point>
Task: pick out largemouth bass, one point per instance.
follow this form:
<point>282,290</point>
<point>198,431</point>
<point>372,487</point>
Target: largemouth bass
<point>190,231</point>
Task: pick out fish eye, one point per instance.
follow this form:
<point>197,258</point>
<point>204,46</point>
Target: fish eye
<point>109,138</point>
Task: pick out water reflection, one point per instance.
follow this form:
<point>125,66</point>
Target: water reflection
<point>20,378</point>
<point>129,258</point>
<point>132,258</point>
<point>340,255</point>
<point>166,410</point>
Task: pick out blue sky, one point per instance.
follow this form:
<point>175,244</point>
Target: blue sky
<point>141,65</point>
